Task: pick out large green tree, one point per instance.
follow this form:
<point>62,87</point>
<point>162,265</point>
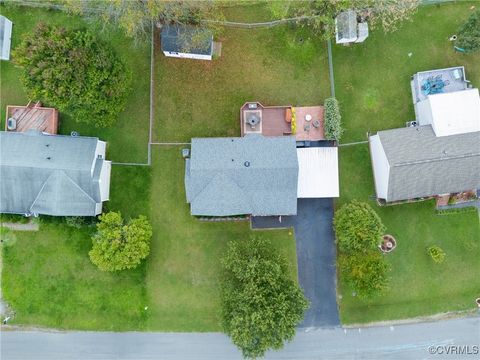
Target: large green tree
<point>119,246</point>
<point>320,15</point>
<point>469,34</point>
<point>75,72</point>
<point>358,227</point>
<point>261,304</point>
<point>136,16</point>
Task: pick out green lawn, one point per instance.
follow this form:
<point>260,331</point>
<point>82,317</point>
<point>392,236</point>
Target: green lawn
<point>132,123</point>
<point>275,66</point>
<point>376,95</point>
<point>183,270</point>
<point>47,276</point>
<point>372,79</point>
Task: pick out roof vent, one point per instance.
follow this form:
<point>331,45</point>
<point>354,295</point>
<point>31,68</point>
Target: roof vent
<point>246,163</point>
<point>49,158</point>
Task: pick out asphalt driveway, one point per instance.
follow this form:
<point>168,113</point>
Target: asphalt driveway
<point>316,257</point>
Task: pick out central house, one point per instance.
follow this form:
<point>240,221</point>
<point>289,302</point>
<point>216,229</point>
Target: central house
<point>251,175</point>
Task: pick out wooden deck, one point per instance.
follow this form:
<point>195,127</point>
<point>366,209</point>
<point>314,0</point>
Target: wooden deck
<point>273,122</point>
<point>32,117</point>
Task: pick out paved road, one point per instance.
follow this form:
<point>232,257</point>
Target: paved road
<point>400,342</point>
<point>316,261</point>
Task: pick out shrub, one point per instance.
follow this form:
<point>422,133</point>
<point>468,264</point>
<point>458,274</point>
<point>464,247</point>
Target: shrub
<point>468,37</point>
<point>75,221</point>
<point>117,246</point>
<point>261,304</point>
<point>436,253</point>
<point>332,120</point>
<point>73,71</point>
<point>358,227</point>
<point>366,274</point>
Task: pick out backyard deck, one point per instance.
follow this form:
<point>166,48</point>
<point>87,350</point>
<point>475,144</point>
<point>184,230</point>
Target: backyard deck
<point>275,121</point>
<point>452,79</point>
<point>31,117</point>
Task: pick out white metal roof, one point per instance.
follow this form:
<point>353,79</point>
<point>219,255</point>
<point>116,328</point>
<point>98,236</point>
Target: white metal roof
<point>318,172</point>
<point>381,167</point>
<point>456,112</point>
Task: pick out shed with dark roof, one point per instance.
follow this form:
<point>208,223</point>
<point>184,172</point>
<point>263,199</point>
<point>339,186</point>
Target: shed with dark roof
<point>185,41</point>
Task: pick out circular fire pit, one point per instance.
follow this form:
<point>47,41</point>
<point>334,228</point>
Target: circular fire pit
<point>388,244</point>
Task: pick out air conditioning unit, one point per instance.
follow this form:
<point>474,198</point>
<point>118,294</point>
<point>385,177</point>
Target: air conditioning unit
<point>411,123</point>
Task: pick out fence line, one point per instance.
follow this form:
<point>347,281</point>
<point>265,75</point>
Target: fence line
<point>170,143</point>
<point>354,143</point>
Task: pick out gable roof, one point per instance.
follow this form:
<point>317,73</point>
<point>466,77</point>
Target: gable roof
<point>422,164</point>
<point>452,113</point>
<point>250,175</point>
<point>187,39</point>
<point>51,175</point>
<point>346,26</point>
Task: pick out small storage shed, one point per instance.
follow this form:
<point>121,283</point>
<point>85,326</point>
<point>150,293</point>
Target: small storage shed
<point>184,41</point>
<point>5,37</point>
<point>348,29</point>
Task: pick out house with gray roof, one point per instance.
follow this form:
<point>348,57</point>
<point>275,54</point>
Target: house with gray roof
<point>186,41</point>
<point>52,174</point>
<point>436,155</point>
<point>412,162</point>
<point>5,37</point>
<point>252,175</point>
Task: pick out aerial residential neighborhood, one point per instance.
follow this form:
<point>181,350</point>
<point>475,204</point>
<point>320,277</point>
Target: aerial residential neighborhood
<point>239,179</point>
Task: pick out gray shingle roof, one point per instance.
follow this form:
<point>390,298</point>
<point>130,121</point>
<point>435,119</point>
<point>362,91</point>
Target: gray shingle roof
<point>347,25</point>
<point>251,175</point>
<point>51,175</point>
<point>422,164</point>
<point>180,38</point>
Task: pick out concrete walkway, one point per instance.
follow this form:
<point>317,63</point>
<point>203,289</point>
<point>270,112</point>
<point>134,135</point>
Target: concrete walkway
<point>30,226</point>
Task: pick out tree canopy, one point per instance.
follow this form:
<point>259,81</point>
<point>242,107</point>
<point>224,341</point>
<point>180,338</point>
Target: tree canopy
<point>320,15</point>
<point>366,274</point>
<point>358,227</point>
<point>117,246</point>
<point>468,37</point>
<point>261,304</point>
<point>135,17</point>
<point>74,72</point>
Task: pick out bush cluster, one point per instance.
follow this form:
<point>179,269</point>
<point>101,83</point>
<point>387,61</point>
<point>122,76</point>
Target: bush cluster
<point>332,120</point>
<point>359,231</point>
<point>468,37</point>
<point>74,72</point>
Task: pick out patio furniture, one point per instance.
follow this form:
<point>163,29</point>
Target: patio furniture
<point>316,124</point>
<point>288,115</point>
<point>308,117</point>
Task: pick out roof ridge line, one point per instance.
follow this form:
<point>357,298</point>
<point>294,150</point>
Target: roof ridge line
<point>437,159</point>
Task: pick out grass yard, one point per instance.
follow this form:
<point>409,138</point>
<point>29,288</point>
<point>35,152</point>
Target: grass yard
<point>377,96</point>
<point>47,276</point>
<point>183,270</point>
<point>372,79</point>
<point>132,123</point>
<point>276,66</point>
